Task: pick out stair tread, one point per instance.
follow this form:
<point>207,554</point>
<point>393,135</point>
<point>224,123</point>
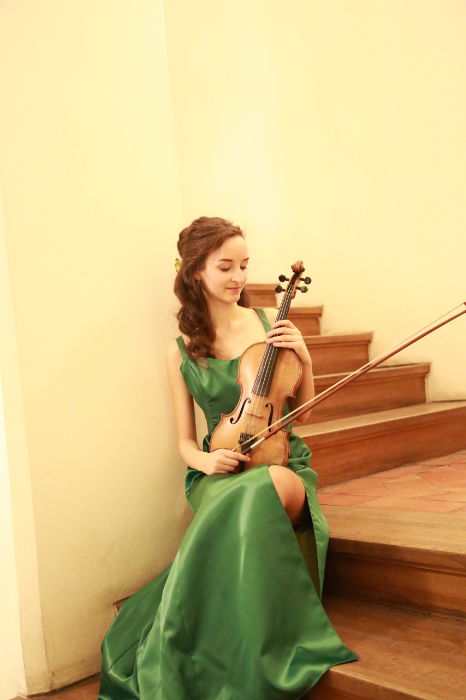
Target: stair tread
<point>400,651</point>
<point>328,338</point>
<point>429,539</point>
<point>376,372</point>
<point>303,310</point>
<point>367,420</point>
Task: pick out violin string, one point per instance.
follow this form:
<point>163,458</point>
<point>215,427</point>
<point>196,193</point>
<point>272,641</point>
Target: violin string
<point>362,367</point>
<point>275,351</point>
<point>255,405</point>
<point>259,401</point>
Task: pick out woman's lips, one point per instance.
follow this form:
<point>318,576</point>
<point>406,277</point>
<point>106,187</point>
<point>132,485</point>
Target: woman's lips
<point>234,289</point>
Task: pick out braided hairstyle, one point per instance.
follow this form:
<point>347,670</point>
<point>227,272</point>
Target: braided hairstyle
<point>195,243</point>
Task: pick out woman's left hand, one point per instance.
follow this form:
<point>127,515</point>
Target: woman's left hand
<point>284,334</point>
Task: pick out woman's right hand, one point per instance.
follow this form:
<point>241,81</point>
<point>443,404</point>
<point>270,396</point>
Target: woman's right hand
<point>224,461</point>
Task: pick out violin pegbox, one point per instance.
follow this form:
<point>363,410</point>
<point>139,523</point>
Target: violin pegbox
<point>298,269</point>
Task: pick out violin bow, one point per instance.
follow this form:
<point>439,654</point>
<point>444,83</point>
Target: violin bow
<point>284,420</point>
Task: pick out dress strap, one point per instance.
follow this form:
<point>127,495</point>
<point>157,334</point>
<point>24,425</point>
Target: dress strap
<point>263,318</point>
<point>182,347</point>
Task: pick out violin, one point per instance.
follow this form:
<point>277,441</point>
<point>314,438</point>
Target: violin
<point>268,376</point>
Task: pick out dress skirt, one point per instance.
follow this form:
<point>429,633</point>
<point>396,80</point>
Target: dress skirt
<point>237,615</point>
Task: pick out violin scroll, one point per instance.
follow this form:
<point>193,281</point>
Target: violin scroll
<point>298,268</point>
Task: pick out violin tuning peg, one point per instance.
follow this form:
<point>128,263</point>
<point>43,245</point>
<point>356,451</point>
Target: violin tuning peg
<point>279,288</point>
<point>302,289</point>
<point>282,278</point>
<point>306,280</point>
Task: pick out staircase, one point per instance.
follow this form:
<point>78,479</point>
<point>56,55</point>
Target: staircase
<point>392,485</point>
<point>395,579</point>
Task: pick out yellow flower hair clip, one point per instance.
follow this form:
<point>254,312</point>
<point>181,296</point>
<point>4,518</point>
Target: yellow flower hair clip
<point>177,264</point>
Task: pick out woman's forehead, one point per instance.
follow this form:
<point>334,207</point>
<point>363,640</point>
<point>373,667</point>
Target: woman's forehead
<point>233,249</point>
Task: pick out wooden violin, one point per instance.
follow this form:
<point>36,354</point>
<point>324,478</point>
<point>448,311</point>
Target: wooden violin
<point>268,376</point>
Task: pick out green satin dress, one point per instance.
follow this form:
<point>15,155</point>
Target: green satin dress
<point>237,615</point>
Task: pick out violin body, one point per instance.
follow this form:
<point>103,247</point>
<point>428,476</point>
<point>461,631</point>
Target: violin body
<point>265,387</point>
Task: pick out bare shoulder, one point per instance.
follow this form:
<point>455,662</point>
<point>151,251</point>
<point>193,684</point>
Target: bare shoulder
<point>172,351</point>
<point>271,313</point>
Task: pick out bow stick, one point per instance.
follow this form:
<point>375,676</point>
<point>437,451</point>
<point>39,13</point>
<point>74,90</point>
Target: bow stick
<point>281,422</point>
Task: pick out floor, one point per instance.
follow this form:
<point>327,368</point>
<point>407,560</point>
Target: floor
<point>435,485</point>
<point>83,690</point>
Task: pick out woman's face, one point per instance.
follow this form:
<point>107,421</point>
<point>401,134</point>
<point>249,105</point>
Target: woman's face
<point>225,271</point>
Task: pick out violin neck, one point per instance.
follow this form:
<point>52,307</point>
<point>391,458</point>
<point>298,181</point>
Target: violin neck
<point>266,370</point>
<point>284,306</point>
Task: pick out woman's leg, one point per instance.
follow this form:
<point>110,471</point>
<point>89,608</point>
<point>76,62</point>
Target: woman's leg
<point>291,492</point>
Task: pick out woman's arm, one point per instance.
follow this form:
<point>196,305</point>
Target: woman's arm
<point>183,407</point>
<point>306,389</point>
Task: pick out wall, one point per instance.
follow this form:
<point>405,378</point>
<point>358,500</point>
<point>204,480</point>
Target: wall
<point>91,211</point>
<point>334,132</point>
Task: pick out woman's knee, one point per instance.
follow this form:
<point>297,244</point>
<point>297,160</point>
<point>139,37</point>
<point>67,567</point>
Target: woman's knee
<point>281,484</point>
<point>291,493</point>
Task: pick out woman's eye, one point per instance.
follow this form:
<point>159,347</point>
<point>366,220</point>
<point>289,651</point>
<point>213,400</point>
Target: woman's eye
<point>226,269</point>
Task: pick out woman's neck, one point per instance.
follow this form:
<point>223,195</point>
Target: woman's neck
<point>225,317</point>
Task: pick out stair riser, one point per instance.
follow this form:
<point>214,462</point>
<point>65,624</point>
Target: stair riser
<point>333,686</point>
<point>402,654</point>
<point>378,394</point>
<point>349,454</point>
<point>308,324</point>
<point>338,357</point>
<point>398,584</point>
<point>262,295</point>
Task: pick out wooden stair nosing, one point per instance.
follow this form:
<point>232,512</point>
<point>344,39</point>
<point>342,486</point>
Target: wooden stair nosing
<point>315,341</point>
<point>403,654</point>
<point>404,559</point>
<point>348,448</point>
<point>343,430</point>
<point>306,311</point>
<point>380,388</point>
<point>381,373</point>
<point>398,584</point>
<point>366,530</point>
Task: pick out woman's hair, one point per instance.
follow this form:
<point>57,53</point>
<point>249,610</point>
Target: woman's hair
<point>195,243</point>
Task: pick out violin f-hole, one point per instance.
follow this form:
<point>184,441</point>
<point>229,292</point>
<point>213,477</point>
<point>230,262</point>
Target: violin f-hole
<point>234,420</point>
<point>270,420</point>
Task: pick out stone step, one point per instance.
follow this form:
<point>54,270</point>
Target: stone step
<point>262,294</point>
<point>403,654</point>
<point>404,559</point>
<point>346,448</point>
<point>306,318</point>
<point>338,352</point>
<point>384,387</point>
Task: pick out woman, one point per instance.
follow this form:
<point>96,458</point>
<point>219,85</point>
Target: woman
<point>237,615</point>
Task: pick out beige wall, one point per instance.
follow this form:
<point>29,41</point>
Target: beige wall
<point>91,210</point>
<point>332,132</point>
<point>335,132</point>
<point>11,655</point>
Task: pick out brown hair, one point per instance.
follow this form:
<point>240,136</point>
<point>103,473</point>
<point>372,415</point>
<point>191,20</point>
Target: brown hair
<point>195,243</point>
